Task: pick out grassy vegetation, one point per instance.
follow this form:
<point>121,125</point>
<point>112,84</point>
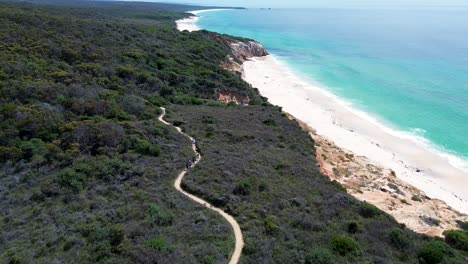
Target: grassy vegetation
<point>86,169</point>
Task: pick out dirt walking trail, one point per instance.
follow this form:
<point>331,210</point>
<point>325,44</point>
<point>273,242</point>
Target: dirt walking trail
<point>235,226</point>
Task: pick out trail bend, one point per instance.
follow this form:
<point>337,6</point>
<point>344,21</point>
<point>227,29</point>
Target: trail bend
<point>239,240</point>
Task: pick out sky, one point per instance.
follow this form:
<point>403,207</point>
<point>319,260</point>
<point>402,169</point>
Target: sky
<point>320,3</point>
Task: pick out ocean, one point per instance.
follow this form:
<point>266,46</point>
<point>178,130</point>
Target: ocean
<point>408,69</point>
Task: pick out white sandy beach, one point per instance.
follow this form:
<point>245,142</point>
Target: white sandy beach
<point>357,132</point>
<point>353,130</point>
<point>189,23</point>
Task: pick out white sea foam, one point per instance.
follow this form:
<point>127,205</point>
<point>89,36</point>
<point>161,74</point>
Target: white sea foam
<point>416,135</point>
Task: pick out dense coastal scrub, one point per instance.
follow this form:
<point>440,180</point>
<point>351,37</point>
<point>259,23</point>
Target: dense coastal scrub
<point>87,169</point>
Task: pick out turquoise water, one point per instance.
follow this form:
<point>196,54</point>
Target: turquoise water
<point>408,68</point>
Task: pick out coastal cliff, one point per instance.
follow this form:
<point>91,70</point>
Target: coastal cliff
<point>240,51</point>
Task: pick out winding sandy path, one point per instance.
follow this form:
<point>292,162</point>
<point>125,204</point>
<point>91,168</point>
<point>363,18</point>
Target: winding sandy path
<point>235,226</point>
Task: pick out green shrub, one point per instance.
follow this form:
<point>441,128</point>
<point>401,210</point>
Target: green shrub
<point>71,179</point>
<point>68,245</point>
<point>457,239</point>
<point>9,153</point>
<point>126,72</point>
<point>431,253</point>
<point>144,147</point>
<point>344,245</point>
<point>280,166</point>
<point>177,123</point>
<point>243,188</point>
<point>187,100</point>
<point>320,256</point>
<point>463,225</point>
<point>400,239</point>
<point>269,122</point>
<point>158,216</point>
<point>117,235</point>
<point>338,185</point>
<point>32,147</point>
<point>167,92</point>
<point>367,210</point>
<point>353,227</point>
<point>158,243</point>
<point>209,260</point>
<point>416,198</point>
<point>271,227</point>
<point>15,260</point>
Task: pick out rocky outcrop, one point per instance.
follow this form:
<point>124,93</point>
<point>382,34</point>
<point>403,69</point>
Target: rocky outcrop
<point>231,96</point>
<point>242,51</point>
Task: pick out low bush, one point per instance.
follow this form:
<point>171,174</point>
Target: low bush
<point>9,153</point>
<point>187,100</point>
<point>400,240</point>
<point>177,123</point>
<point>457,239</point>
<point>269,122</point>
<point>144,147</point>
<point>158,216</point>
<point>463,225</point>
<point>157,100</point>
<point>368,210</point>
<point>353,227</point>
<point>271,227</point>
<point>338,185</point>
<point>431,253</point>
<point>69,178</point>
<point>320,256</point>
<point>344,245</point>
<point>117,235</point>
<point>158,243</point>
<point>32,147</point>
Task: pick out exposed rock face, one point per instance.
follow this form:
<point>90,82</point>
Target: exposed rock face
<point>242,51</point>
<point>231,96</point>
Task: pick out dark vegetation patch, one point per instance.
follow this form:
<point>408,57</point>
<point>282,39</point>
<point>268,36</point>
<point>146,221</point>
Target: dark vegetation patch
<point>86,169</point>
<point>289,213</point>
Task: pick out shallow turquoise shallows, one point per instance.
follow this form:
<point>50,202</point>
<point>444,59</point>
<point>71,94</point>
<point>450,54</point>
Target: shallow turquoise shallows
<point>408,68</point>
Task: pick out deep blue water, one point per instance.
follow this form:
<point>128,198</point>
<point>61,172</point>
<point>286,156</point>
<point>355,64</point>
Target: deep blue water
<point>408,68</point>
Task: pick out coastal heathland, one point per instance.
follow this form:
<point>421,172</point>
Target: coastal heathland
<point>87,169</point>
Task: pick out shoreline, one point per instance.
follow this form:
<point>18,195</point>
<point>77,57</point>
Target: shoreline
<point>348,129</point>
<point>355,131</point>
<point>189,23</point>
